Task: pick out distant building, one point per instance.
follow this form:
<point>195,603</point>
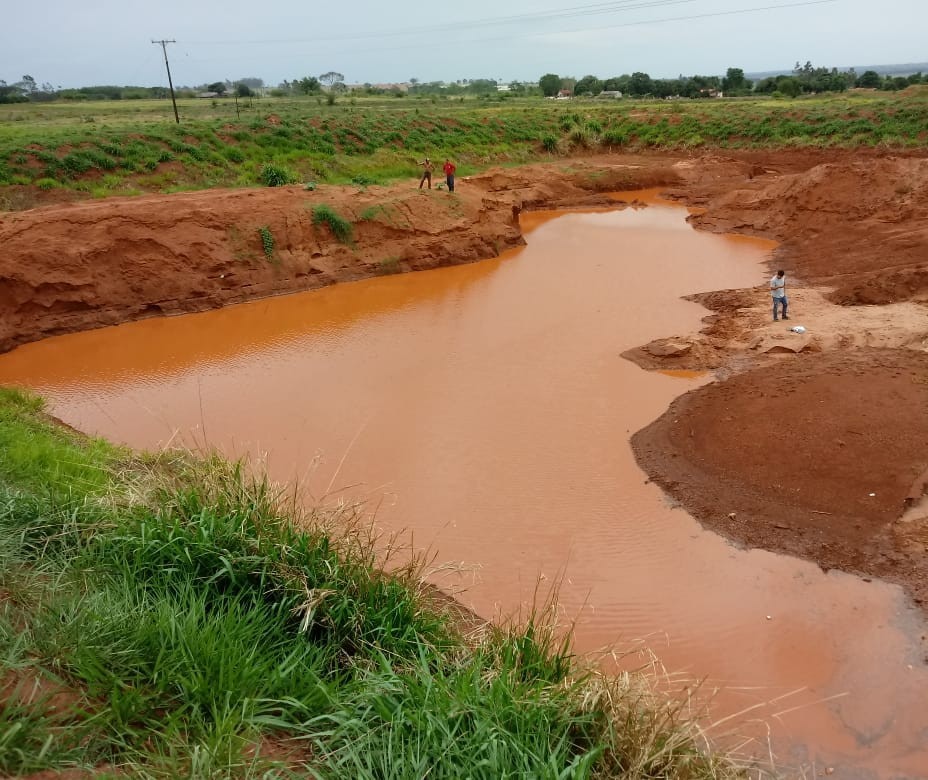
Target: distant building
<point>208,95</point>
<point>503,88</point>
<point>613,94</point>
<point>564,94</point>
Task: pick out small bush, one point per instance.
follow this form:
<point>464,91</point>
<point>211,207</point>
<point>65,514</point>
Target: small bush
<point>341,228</point>
<point>267,241</point>
<point>46,184</point>
<point>549,143</point>
<point>582,137</point>
<point>276,175</point>
<point>362,182</point>
<point>615,137</point>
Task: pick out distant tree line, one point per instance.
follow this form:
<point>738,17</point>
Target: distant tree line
<point>467,87</point>
<point>27,90</point>
<point>24,90</point>
<point>640,84</point>
<point>805,79</point>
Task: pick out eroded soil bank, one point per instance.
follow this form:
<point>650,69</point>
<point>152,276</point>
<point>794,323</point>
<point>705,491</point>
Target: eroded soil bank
<point>855,219</point>
<point>85,265</point>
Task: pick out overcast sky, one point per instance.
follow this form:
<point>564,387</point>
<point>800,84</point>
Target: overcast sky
<point>71,43</point>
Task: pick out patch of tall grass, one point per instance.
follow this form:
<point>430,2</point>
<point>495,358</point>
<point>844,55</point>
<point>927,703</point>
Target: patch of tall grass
<point>341,228</point>
<point>169,616</point>
<point>273,175</point>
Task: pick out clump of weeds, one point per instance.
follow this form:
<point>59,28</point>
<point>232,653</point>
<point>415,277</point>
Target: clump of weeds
<point>267,241</point>
<point>273,175</point>
<point>341,228</point>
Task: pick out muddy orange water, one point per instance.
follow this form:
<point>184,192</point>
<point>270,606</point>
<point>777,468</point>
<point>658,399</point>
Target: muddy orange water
<point>485,408</point>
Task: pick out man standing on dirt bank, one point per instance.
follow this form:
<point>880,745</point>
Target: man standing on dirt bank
<point>778,293</point>
<point>449,170</point>
<point>426,173</point>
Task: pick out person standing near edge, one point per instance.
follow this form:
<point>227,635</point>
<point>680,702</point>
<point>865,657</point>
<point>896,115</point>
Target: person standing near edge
<point>449,170</point>
<point>778,293</point>
<point>426,173</point>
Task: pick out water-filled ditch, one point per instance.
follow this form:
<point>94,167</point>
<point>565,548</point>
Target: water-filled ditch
<point>485,409</point>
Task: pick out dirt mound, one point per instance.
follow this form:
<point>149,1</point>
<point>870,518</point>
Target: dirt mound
<point>857,222</point>
<point>859,226</point>
<point>814,455</point>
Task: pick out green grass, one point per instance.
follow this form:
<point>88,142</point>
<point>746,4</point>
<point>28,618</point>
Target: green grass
<point>341,228</point>
<point>165,616</point>
<point>134,146</point>
<point>267,241</point>
<point>271,175</point>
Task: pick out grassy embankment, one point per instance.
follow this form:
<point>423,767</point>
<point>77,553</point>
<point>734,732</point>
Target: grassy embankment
<point>128,147</point>
<point>162,616</point>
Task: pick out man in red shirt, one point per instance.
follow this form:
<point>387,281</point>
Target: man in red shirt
<point>449,170</point>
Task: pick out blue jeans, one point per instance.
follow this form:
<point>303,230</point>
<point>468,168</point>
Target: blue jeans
<point>782,301</point>
<point>450,181</point>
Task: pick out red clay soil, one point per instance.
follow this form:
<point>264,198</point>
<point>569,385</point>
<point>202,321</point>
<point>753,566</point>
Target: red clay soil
<point>858,221</point>
<point>794,445</point>
<point>812,455</point>
<point>858,225</point>
<point>779,445</point>
<point>85,265</point>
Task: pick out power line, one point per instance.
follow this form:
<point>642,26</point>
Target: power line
<point>711,14</point>
<point>641,22</point>
<point>615,6</point>
<point>597,9</point>
<point>164,48</point>
<point>518,35</point>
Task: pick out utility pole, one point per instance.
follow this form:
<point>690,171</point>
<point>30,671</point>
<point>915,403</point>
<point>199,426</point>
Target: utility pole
<point>164,48</point>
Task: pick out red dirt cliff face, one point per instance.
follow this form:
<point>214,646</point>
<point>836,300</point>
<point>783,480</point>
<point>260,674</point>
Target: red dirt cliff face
<point>857,225</point>
<point>85,265</point>
<point>92,264</point>
<point>853,220</point>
